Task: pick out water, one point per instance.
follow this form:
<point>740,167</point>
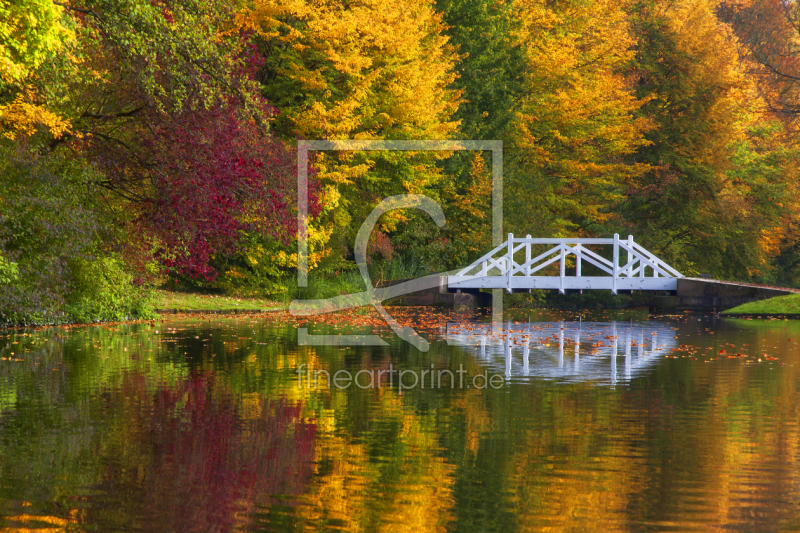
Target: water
<point>198,424</point>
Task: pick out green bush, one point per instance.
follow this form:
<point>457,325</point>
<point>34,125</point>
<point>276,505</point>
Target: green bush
<point>321,284</point>
<point>103,290</point>
<point>9,271</point>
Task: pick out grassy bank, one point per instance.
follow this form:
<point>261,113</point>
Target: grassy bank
<point>780,305</point>
<point>108,295</point>
<point>282,291</point>
<point>181,301</point>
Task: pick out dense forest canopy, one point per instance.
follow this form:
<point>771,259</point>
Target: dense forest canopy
<point>146,141</point>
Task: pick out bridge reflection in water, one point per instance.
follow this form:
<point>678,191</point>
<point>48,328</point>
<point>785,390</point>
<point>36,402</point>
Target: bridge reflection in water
<point>566,351</point>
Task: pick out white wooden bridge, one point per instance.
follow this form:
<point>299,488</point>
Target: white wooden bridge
<point>520,264</point>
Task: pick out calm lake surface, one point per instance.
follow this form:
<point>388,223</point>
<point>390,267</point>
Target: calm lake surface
<point>226,424</point>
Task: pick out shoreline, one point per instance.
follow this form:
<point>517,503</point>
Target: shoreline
<point>162,314</point>
<point>218,311</point>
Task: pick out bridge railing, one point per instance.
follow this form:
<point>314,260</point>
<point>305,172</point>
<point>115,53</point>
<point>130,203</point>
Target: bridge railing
<point>631,266</point>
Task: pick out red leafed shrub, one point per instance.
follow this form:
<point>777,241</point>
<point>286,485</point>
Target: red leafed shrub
<point>380,244</point>
<point>215,176</point>
<point>180,130</point>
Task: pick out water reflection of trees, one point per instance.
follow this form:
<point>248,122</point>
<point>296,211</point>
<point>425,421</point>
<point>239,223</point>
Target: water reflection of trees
<point>138,438</point>
<point>194,457</point>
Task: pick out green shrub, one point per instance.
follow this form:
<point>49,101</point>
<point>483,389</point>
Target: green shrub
<point>9,271</point>
<point>103,290</point>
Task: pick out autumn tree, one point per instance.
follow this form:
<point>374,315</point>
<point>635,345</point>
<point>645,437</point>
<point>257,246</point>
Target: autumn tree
<point>490,80</point>
<point>167,105</point>
<point>769,32</point>
<point>576,121</point>
<point>491,66</point>
<point>214,179</point>
<point>31,33</point>
<point>697,206</point>
<point>358,70</point>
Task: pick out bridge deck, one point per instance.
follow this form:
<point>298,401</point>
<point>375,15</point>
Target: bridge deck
<point>553,282</point>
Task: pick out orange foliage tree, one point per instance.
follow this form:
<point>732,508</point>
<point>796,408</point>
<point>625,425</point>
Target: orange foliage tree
<point>576,121</point>
<point>716,175</point>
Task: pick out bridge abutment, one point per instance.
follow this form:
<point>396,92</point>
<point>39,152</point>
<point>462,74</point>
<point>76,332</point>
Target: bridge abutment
<point>698,294</point>
<point>466,300</point>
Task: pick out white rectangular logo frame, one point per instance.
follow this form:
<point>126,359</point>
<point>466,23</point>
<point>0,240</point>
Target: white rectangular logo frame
<point>303,149</point>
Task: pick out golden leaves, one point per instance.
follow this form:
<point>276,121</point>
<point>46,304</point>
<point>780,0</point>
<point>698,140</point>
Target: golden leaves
<point>369,67</point>
<point>30,32</point>
<point>24,117</point>
<point>578,118</point>
<point>365,69</point>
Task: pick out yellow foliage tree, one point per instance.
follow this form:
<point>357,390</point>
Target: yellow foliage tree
<point>363,70</point>
<point>24,115</point>
<point>358,70</point>
<point>577,120</point>
<point>30,33</point>
<point>718,168</point>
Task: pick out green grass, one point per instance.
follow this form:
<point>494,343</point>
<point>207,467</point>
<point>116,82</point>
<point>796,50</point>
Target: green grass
<point>328,285</point>
<point>206,302</point>
<point>780,305</point>
<point>283,291</point>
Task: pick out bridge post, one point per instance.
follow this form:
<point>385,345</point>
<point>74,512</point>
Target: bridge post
<point>616,264</point>
<point>578,260</point>
<point>528,256</point>
<point>655,271</point>
<point>563,271</point>
<point>641,266</point>
<point>510,264</point>
<point>630,256</point>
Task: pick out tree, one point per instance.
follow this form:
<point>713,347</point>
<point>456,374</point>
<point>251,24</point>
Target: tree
<point>54,244</point>
<point>704,201</point>
<point>166,104</point>
<point>358,70</point>
<point>758,213</point>
<point>769,31</point>
<point>490,72</point>
<point>491,82</point>
<point>31,33</point>
<point>575,123</point>
<point>215,178</point>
